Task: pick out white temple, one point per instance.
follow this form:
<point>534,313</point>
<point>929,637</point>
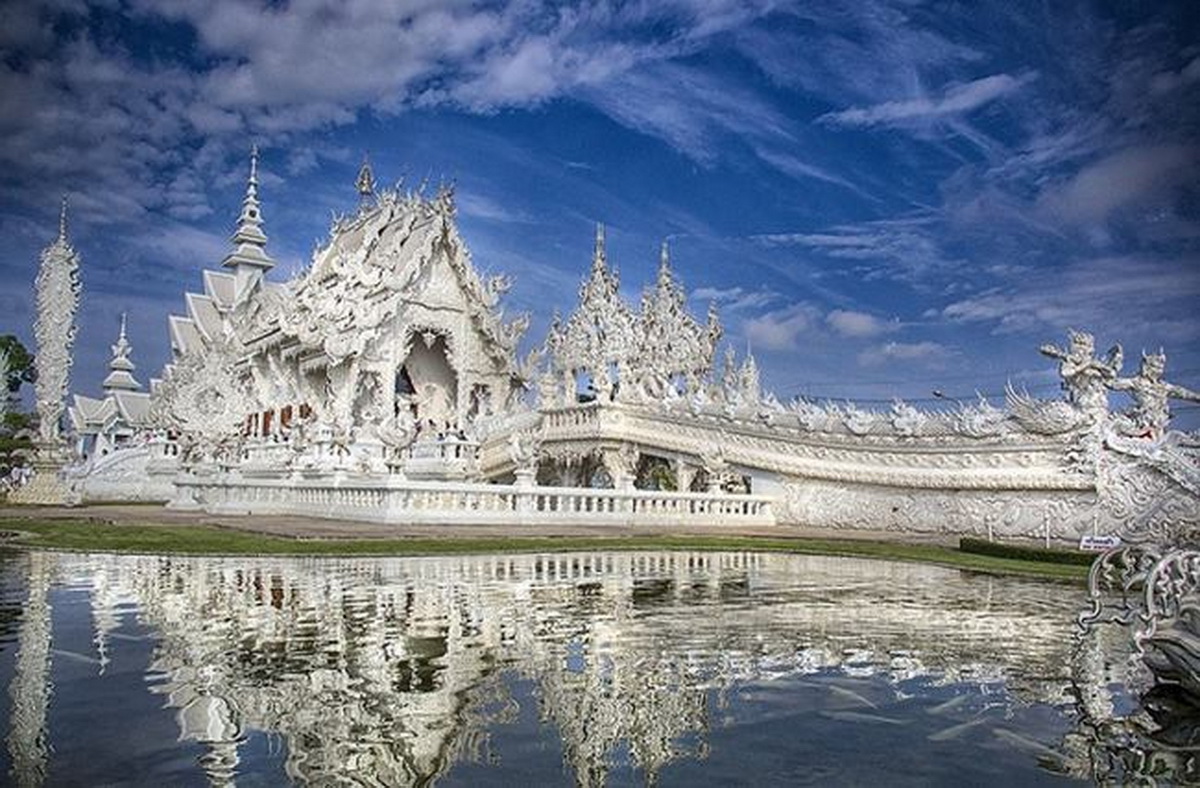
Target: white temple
<point>104,425</point>
<point>383,383</point>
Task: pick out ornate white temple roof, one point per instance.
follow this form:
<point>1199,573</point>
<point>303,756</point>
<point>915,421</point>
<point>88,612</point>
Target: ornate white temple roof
<point>394,275</point>
<point>219,286</point>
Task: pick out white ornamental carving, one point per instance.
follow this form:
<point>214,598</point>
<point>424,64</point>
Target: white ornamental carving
<point>1151,413</point>
<point>57,288</point>
<point>203,396</point>
<point>1084,375</point>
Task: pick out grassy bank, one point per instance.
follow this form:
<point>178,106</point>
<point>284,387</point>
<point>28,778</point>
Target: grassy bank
<point>99,536</point>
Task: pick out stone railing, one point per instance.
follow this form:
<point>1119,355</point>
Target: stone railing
<point>448,458</point>
<point>266,454</point>
<point>414,502</point>
<point>575,420</point>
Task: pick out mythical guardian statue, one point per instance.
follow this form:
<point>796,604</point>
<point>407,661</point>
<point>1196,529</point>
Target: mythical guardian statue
<point>1151,394</point>
<point>1084,375</point>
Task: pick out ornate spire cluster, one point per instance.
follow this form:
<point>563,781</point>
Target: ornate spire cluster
<point>672,341</point>
<point>649,347</point>
<point>120,376</point>
<point>249,259</point>
<point>57,287</point>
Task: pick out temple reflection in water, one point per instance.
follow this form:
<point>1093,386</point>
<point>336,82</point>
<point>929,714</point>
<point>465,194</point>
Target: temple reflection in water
<point>395,670</point>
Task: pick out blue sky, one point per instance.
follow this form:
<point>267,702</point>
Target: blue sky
<point>883,198</point>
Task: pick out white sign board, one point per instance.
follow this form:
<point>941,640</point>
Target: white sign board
<point>1098,544</point>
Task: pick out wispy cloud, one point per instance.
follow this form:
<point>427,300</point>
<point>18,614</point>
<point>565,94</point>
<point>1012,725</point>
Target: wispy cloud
<point>736,299</point>
<point>954,99</point>
<point>483,207</point>
<point>903,249</point>
<point>796,168</point>
<point>691,109</point>
<point>1143,295</point>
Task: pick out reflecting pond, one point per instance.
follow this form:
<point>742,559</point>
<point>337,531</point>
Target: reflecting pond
<point>607,668</point>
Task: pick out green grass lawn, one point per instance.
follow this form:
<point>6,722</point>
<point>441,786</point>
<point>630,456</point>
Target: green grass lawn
<point>98,536</point>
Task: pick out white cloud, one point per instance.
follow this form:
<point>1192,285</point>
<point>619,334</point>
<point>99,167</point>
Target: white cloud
<point>956,99</point>
<point>928,354</point>
<point>780,330</point>
<point>853,324</point>
<point>481,207</point>
<point>1123,179</point>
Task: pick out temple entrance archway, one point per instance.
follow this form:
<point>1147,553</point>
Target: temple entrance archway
<point>433,382</point>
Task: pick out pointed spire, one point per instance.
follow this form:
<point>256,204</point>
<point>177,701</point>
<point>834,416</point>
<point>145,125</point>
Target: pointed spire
<point>599,259</point>
<point>120,376</point>
<point>249,259</point>
<point>365,183</point>
<point>62,221</point>
<point>714,321</point>
<point>664,266</point>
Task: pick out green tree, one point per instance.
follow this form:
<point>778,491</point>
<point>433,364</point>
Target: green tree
<point>16,427</point>
<point>20,363</point>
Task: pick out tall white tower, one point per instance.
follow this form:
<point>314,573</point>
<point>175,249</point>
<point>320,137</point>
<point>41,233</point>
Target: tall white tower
<point>57,294</point>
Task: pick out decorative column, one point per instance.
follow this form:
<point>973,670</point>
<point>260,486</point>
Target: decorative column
<point>57,288</point>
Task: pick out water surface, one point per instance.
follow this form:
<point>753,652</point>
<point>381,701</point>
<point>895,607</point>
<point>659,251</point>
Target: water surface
<point>589,668</point>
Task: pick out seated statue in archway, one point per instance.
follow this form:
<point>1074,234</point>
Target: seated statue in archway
<point>434,405</point>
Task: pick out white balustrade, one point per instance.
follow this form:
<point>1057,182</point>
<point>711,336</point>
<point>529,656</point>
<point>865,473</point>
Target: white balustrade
<point>415,502</point>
